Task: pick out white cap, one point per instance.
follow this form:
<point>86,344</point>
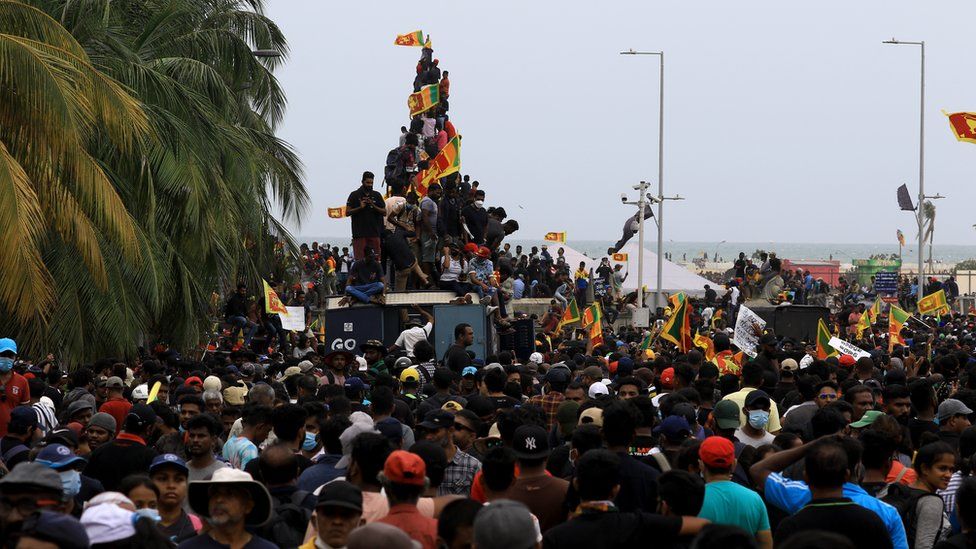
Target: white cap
<point>805,361</point>
<point>305,365</point>
<point>536,357</point>
<point>598,389</point>
<point>141,392</point>
<point>106,523</point>
<point>363,365</point>
<point>212,383</point>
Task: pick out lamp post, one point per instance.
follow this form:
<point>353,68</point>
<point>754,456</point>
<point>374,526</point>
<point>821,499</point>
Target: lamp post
<point>658,295</point>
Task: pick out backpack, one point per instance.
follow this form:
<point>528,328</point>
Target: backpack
<point>905,500</point>
<point>289,520</point>
<point>393,170</point>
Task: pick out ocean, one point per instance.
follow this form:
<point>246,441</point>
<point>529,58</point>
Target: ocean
<point>727,251</point>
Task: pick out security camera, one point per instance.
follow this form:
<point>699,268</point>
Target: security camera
<point>623,198</point>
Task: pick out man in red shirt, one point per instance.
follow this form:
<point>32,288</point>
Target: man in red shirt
<point>404,478</point>
<point>13,386</point>
<point>116,405</point>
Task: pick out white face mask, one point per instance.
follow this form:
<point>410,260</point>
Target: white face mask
<point>479,203</point>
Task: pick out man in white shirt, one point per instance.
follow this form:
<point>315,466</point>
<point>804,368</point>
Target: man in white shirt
<point>414,333</point>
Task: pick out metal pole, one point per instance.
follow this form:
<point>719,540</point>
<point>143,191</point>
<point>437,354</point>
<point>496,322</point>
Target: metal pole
<point>659,296</point>
<point>921,172</point>
<point>641,204</point>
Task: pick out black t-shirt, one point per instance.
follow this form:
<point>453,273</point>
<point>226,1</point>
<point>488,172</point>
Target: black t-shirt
<point>612,529</point>
<point>365,272</point>
<point>366,223</point>
<point>449,218</point>
<point>476,220</point>
<point>918,426</point>
<point>456,358</point>
<point>838,515</point>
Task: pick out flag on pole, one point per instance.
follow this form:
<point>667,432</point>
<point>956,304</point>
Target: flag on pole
<point>676,300</point>
<point>570,315</point>
<point>427,97</point>
<point>677,329</point>
<point>901,238</point>
<point>446,162</point>
<point>934,304</point>
<point>706,344</point>
<point>272,304</point>
<point>896,320</point>
<point>337,213</point>
<point>864,323</point>
<point>591,315</point>
<point>963,125</point>
<point>875,311</point>
<point>619,258</point>
<point>415,38</point>
<point>646,342</point>
<point>556,237</point>
<point>824,349</point>
<point>596,334</point>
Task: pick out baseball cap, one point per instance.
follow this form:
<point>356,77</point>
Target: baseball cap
<point>145,414</point>
<point>667,378</point>
<point>391,428</point>
<point>593,372</point>
<point>756,397</point>
<point>789,365</point>
<point>846,361</point>
<point>410,375</point>
<point>305,366</point>
<point>557,375</point>
<point>25,415</point>
<point>33,474</point>
<point>452,406</point>
<point>58,528</point>
<point>8,345</point>
<point>437,419</point>
<point>717,452</point>
<point>592,415</point>
<point>952,407</point>
<point>114,382</point>
<point>356,384</point>
<point>403,467</point>
<point>141,392</point>
<point>234,395</point>
<point>63,435</point>
<point>536,357</point>
<point>469,371</point>
<point>168,460</point>
<point>291,371</point>
<point>58,457</point>
<point>531,442</point>
<point>674,428</point>
<point>867,419</point>
<point>566,416</point>
<point>193,380</point>
<point>726,414</point>
<point>340,493</point>
<point>505,524</point>
<point>597,390</point>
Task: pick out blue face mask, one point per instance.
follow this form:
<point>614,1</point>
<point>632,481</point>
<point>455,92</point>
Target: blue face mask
<point>151,514</point>
<point>758,419</point>
<point>310,442</point>
<point>6,364</point>
<point>70,483</point>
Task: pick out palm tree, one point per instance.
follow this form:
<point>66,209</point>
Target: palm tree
<point>197,182</point>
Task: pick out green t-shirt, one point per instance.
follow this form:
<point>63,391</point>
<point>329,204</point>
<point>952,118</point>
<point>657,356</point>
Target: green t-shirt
<point>729,503</point>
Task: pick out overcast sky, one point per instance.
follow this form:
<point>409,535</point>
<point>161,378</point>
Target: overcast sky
<point>782,123</point>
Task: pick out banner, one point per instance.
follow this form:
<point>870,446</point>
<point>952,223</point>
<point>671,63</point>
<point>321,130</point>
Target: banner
<point>293,319</point>
<point>272,303</point>
<point>963,125</point>
<point>427,97</point>
<point>745,336</point>
<point>415,39</point>
<point>446,162</point>
<point>556,237</point>
<point>337,213</point>
<point>619,258</point>
<point>846,348</point>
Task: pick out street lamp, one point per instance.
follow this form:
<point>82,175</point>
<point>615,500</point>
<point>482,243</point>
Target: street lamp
<point>643,198</point>
<point>658,296</point>
<point>921,159</point>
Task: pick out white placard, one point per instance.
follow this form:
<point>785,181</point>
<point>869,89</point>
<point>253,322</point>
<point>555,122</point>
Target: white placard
<point>847,348</point>
<point>745,336</point>
<point>294,320</point>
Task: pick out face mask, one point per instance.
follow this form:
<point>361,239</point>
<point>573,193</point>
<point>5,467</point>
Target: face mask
<point>6,364</point>
<point>758,419</point>
<point>70,483</point>
<point>479,203</point>
<point>310,442</point>
<point>151,514</point>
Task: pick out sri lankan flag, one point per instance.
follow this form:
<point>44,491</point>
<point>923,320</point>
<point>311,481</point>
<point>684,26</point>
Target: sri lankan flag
<point>864,323</point>
<point>427,97</point>
<point>676,300</point>
<point>874,312</point>
<point>726,364</point>
<point>337,213</point>
<point>272,304</point>
<point>824,349</point>
<point>963,125</point>
<point>446,162</point>
<point>415,38</point>
<point>934,304</point>
<point>555,237</point>
<point>570,315</point>
<point>596,334</point>
<point>896,320</point>
<point>592,315</point>
<point>619,258</point>
<point>646,342</point>
<point>677,329</point>
<point>706,344</point>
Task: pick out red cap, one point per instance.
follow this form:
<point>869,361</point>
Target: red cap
<point>193,380</point>
<point>667,378</point>
<point>612,367</point>
<point>471,247</point>
<point>717,452</point>
<point>846,360</point>
<point>405,468</point>
<point>483,252</point>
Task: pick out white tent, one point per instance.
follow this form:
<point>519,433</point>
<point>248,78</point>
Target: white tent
<point>676,277</point>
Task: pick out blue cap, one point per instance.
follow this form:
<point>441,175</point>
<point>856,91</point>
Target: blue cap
<point>58,528</point>
<point>674,428</point>
<point>469,371</point>
<point>356,383</point>
<point>168,460</point>
<point>7,344</point>
<point>23,415</point>
<point>58,457</point>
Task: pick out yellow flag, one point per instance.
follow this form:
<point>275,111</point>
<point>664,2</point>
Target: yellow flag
<point>934,304</point>
<point>556,237</point>
<point>272,304</point>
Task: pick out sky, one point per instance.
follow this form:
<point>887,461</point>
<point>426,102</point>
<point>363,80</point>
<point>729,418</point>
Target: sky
<point>782,122</point>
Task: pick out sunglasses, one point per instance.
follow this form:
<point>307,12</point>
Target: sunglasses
<point>827,396</point>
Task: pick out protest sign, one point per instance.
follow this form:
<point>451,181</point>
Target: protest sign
<point>294,320</point>
<point>846,348</point>
<point>746,336</point>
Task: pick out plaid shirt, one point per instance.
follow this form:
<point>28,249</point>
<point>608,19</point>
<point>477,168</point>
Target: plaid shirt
<point>549,404</point>
<point>459,475</point>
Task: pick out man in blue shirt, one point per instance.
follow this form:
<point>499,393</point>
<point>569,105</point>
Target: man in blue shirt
<point>792,495</point>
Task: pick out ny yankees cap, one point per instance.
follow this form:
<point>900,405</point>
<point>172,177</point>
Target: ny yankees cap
<point>531,442</point>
